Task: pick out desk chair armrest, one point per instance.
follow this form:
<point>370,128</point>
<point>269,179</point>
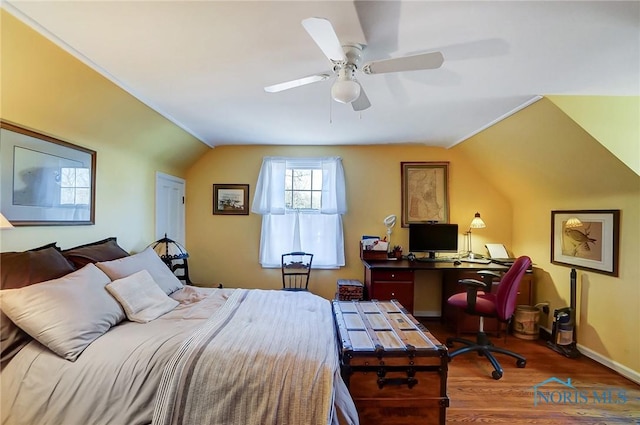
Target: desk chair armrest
<point>486,273</point>
<point>472,286</point>
<point>488,277</point>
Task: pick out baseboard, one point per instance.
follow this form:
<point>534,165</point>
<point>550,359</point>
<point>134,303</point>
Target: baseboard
<point>426,313</point>
<point>613,365</point>
<point>545,335</point>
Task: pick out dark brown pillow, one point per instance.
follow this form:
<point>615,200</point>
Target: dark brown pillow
<point>95,252</point>
<point>20,269</point>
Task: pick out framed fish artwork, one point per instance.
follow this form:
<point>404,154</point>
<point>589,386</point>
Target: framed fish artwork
<point>586,240</point>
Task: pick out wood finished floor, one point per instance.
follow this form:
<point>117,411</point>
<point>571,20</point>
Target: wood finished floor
<point>475,397</point>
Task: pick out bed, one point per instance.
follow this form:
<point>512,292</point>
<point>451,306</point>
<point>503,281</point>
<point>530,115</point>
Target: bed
<point>93,335</point>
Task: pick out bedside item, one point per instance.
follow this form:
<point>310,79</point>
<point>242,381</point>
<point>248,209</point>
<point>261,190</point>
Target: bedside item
<point>174,256</point>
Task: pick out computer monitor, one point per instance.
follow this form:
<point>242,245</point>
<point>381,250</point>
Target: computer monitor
<point>432,238</point>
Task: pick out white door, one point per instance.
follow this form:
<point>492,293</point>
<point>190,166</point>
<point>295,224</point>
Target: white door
<point>170,207</point>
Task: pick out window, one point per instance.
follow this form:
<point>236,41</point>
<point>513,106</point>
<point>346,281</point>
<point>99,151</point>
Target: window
<point>301,201</point>
<point>303,189</point>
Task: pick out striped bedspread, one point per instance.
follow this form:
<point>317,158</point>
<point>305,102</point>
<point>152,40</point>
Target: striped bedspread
<point>265,357</point>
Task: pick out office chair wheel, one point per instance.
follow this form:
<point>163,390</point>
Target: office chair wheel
<point>496,375</point>
<point>521,363</point>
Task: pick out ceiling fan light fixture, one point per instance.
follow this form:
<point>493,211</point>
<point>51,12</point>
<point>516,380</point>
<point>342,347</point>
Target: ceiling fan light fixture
<point>345,90</point>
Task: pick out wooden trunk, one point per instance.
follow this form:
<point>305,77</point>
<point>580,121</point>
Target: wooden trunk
<point>395,369</point>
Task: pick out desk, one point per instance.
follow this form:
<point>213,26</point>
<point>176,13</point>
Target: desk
<point>395,279</point>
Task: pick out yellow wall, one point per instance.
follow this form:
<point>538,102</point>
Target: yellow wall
<point>543,161</point>
<point>612,120</point>
<point>224,249</point>
<point>45,89</point>
<point>514,174</point>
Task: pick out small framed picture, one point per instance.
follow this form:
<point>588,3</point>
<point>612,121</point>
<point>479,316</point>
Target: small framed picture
<point>586,240</point>
<point>231,199</point>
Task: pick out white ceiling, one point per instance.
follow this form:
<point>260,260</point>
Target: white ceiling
<point>203,64</point>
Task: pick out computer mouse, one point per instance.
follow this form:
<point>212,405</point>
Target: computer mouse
<point>456,263</point>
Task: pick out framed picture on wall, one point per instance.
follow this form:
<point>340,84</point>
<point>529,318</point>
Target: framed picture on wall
<point>231,199</point>
<point>586,239</point>
<point>45,181</point>
<point>425,192</point>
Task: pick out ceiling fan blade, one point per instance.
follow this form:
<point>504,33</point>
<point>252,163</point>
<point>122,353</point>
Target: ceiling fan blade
<point>322,32</point>
<point>296,83</point>
<point>362,102</point>
<point>431,60</point>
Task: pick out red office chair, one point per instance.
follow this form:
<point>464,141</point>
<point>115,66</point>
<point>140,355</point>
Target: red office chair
<point>500,305</point>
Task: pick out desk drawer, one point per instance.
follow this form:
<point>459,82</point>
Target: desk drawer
<point>388,290</point>
<point>392,275</point>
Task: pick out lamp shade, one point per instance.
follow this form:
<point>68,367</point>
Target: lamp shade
<point>168,249</point>
<point>4,223</point>
<point>573,222</point>
<point>345,91</point>
<point>477,222</point>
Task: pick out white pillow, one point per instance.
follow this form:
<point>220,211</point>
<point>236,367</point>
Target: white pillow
<point>146,260</point>
<point>65,314</point>
<point>141,297</point>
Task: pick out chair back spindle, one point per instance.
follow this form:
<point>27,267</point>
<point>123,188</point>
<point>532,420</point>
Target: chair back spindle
<point>296,268</point>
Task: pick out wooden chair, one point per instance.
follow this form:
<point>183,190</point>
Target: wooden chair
<point>296,268</point>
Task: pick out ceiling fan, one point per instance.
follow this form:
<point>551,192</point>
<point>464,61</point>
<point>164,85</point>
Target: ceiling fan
<point>346,60</point>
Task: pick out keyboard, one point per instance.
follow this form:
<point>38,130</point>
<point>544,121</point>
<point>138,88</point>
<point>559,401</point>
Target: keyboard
<point>435,260</point>
<point>476,260</point>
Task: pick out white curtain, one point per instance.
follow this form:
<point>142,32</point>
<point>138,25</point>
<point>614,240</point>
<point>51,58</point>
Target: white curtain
<point>283,230</point>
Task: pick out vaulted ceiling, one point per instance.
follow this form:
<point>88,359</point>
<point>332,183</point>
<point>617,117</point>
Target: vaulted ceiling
<point>204,64</point>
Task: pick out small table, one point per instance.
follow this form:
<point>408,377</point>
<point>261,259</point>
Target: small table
<point>393,366</point>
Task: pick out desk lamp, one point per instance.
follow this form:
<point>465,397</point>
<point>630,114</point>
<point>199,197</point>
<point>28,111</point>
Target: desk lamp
<point>389,221</point>
<point>476,223</point>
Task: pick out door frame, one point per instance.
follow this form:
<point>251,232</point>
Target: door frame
<point>159,233</point>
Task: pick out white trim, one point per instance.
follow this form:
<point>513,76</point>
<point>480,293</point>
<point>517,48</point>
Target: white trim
<point>181,236</point>
<point>170,177</point>
<point>500,118</point>
<point>611,364</point>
